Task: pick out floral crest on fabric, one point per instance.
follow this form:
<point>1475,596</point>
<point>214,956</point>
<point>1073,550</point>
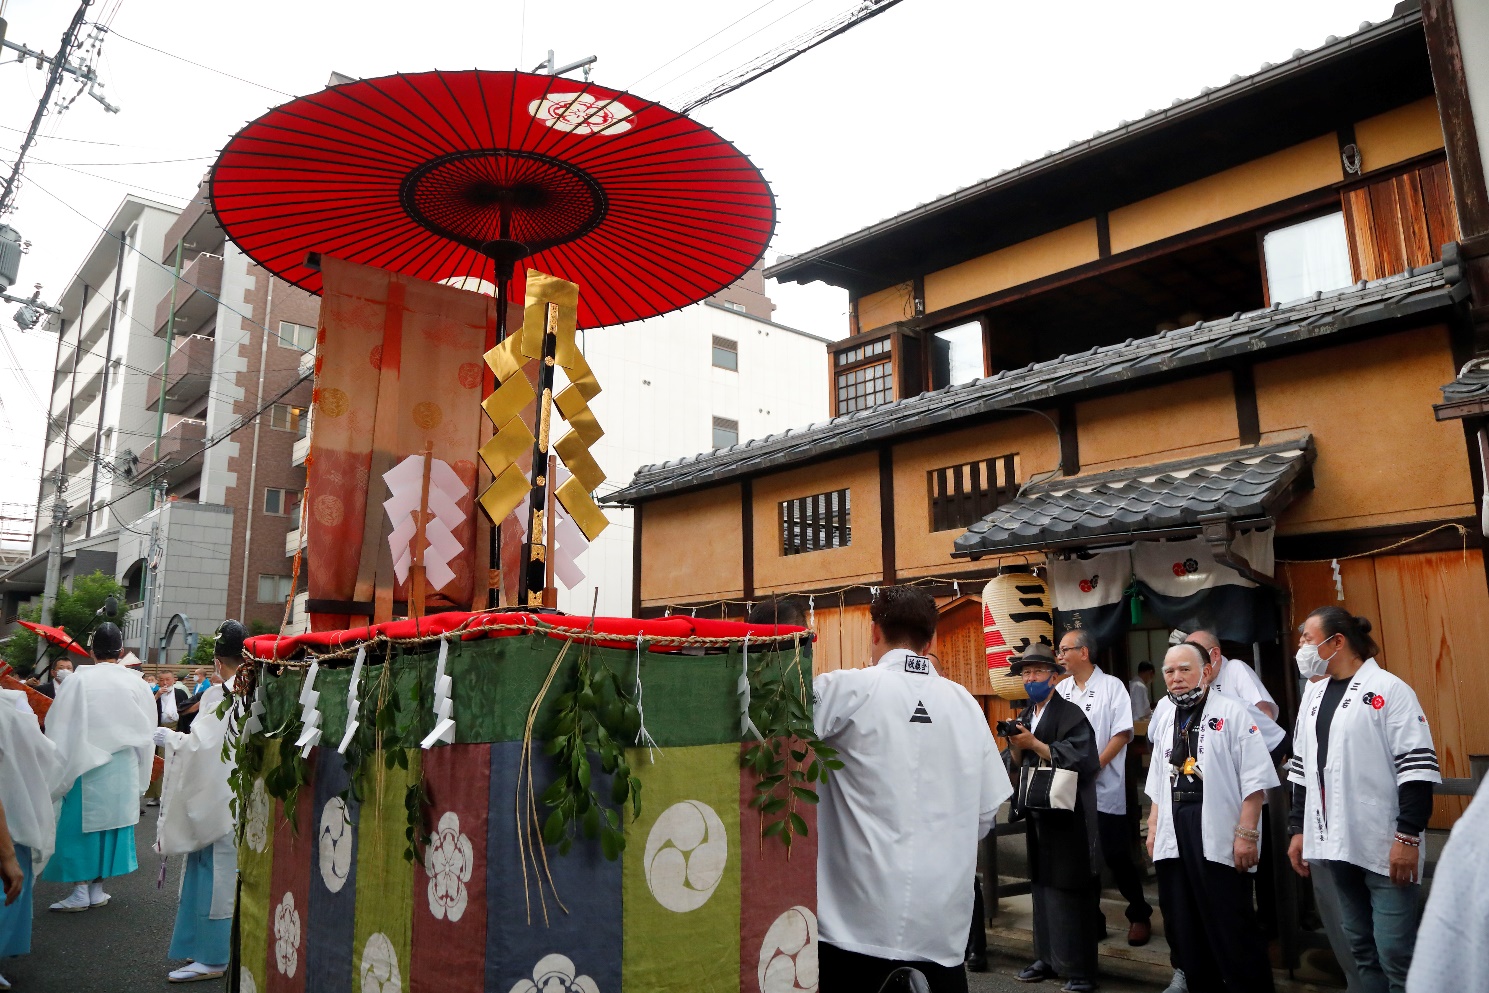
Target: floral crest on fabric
<point>379,969</point>
<point>335,844</point>
<point>555,974</point>
<point>245,981</point>
<point>256,829</point>
<point>448,861</point>
<point>582,113</point>
<point>286,935</point>
<point>686,850</point>
<point>788,955</point>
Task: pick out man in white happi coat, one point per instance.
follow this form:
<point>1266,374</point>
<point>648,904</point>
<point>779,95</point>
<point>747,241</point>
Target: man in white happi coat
<point>196,820</point>
<point>101,723</point>
<point>898,825</point>
<point>30,771</point>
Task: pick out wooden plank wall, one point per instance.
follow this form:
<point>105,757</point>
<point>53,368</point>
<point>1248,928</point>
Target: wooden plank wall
<point>842,636</point>
<point>1430,612</point>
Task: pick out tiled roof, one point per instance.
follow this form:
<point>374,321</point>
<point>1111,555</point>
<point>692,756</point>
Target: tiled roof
<point>1471,384</point>
<point>1206,343</point>
<point>1246,484</point>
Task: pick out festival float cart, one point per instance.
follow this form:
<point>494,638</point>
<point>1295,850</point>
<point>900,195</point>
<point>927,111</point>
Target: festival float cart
<point>432,796</point>
<point>530,803</point>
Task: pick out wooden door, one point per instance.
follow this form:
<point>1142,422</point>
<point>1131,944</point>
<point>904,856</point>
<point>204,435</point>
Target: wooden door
<point>1399,221</point>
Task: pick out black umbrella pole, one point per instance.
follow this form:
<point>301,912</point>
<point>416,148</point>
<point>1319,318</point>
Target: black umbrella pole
<point>494,549</point>
<point>536,547</point>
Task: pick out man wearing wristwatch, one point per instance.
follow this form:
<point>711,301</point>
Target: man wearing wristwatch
<point>1209,773</point>
<point>1362,775</point>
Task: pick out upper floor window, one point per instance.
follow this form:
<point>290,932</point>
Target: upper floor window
<point>287,418</point>
<point>956,355</point>
<point>961,495</point>
<point>275,589</point>
<point>725,354</point>
<point>1302,259</point>
<point>301,336</point>
<point>280,502</point>
<point>813,523</point>
<point>725,432</point>
<point>732,305</point>
<point>863,376</point>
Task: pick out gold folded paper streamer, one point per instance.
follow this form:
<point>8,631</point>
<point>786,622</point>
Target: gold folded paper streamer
<point>514,393</point>
<point>586,514</point>
<point>575,453</point>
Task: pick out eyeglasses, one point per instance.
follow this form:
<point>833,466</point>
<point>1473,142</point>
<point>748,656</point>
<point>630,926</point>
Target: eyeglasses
<point>1061,652</point>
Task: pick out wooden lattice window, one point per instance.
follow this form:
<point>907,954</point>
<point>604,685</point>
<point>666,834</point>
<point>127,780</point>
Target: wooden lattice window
<point>961,495</point>
<point>813,523</point>
<point>863,376</point>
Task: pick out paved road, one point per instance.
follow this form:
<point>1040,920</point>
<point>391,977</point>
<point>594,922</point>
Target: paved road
<point>999,979</point>
<point>119,948</point>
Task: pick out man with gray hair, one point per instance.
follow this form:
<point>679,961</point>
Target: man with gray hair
<point>1108,707</point>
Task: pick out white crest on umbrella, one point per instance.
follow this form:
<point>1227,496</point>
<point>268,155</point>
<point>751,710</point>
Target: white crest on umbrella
<point>788,955</point>
<point>555,974</point>
<point>448,861</point>
<point>380,966</point>
<point>256,830</point>
<point>286,935</point>
<point>335,844</point>
<point>686,850</point>
<point>583,113</point>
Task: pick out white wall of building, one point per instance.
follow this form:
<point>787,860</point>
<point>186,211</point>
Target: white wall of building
<point>1472,18</point>
<point>228,362</point>
<point>660,394</point>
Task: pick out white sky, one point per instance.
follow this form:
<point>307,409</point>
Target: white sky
<point>927,97</point>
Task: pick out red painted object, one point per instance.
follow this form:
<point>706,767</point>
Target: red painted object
<point>647,210</point>
<point>57,636</point>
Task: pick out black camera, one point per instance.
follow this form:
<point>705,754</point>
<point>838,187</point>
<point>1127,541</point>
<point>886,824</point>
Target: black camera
<point>1009,729</point>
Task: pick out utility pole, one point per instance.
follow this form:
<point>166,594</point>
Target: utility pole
<point>151,580</point>
<point>54,558</point>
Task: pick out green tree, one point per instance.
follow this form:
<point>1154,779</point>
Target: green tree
<point>205,644</point>
<point>72,612</point>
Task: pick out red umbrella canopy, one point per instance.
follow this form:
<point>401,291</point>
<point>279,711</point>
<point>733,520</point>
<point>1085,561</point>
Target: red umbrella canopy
<point>58,637</point>
<point>430,174</point>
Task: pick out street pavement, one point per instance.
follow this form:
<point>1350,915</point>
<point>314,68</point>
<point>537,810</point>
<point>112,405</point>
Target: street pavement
<point>999,979</point>
<point>118,948</point>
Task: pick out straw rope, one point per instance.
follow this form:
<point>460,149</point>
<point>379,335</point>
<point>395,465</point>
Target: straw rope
<point>1462,533</point>
<point>525,825</point>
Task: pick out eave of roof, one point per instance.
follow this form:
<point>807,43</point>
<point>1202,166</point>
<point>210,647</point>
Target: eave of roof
<point>1415,292</point>
<point>1468,394</point>
<point>819,263</point>
<point>1245,485</point>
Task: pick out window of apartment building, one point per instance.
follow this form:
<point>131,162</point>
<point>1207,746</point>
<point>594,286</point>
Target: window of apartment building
<point>956,355</point>
<point>275,589</point>
<point>813,523</point>
<point>725,432</point>
<point>961,495</point>
<point>300,336</point>
<point>725,354</point>
<point>287,418</point>
<point>1302,259</point>
<point>732,305</point>
<point>863,376</point>
<point>281,503</point>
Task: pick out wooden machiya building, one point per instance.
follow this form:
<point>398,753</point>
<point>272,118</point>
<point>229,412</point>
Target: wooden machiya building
<point>1183,368</point>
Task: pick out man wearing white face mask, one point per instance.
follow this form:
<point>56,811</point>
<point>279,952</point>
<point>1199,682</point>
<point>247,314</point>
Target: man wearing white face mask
<point>1362,793</point>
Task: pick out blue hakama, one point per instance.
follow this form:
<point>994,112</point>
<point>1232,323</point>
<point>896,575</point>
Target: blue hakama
<point>81,856</point>
<point>15,920</point>
<point>197,936</point>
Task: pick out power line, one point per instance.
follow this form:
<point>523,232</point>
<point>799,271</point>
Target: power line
<point>631,86</point>
<point>179,58</point>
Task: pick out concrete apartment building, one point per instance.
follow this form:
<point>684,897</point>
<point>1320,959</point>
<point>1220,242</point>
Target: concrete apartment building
<point>157,380</point>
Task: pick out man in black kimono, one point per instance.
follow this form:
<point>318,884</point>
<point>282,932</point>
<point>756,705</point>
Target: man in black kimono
<point>1064,846</point>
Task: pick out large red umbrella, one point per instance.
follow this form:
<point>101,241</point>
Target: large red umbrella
<point>57,636</point>
<point>461,174</point>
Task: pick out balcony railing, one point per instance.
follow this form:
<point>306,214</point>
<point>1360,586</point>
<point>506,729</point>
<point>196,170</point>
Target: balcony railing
<point>189,371</point>
<point>180,445</point>
<point>195,296</point>
<point>294,541</point>
<point>300,452</point>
